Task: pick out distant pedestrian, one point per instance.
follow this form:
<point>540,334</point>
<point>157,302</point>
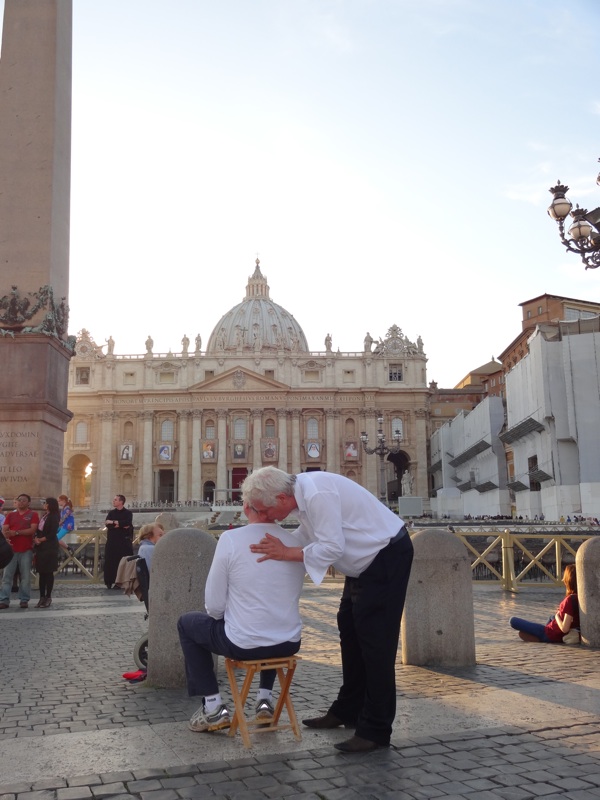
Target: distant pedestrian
<point>19,528</point>
<point>119,538</point>
<point>67,520</point>
<point>46,550</point>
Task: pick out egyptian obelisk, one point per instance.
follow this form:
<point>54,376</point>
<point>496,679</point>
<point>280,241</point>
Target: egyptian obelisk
<point>35,174</point>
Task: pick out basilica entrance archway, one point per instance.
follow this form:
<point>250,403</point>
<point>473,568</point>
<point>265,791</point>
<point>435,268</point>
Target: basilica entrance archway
<point>166,486</point>
<point>78,480</point>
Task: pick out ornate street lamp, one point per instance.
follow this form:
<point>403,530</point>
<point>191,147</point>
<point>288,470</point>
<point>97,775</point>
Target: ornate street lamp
<point>584,232</point>
<point>381,449</point>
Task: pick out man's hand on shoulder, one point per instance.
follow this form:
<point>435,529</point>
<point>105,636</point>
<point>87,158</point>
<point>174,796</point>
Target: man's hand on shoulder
<point>272,548</point>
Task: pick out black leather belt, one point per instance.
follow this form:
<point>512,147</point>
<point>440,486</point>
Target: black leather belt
<point>399,535</point>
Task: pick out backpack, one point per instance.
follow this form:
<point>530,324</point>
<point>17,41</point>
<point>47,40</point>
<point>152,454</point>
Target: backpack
<point>6,552</point>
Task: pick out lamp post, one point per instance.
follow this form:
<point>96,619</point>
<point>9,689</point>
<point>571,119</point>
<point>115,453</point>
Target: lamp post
<point>382,449</point>
<point>583,236</point>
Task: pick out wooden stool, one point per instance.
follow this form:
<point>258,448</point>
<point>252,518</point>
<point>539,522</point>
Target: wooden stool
<point>285,668</point>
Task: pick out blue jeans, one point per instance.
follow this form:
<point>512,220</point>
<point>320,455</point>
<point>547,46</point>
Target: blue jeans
<point>533,628</point>
<point>201,636</point>
<point>23,561</point>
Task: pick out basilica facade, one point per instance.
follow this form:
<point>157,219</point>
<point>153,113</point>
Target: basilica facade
<point>188,427</point>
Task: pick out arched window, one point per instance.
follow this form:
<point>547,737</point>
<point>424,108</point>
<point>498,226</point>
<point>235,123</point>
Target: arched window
<point>397,425</point>
<point>239,428</point>
<point>270,429</point>
<point>128,430</point>
<point>167,430</point>
<point>81,433</point>
<point>312,428</point>
<point>350,427</point>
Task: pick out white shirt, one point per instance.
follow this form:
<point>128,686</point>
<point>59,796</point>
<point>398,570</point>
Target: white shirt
<point>343,524</point>
<point>259,601</point>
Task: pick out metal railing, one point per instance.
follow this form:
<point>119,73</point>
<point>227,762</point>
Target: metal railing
<point>525,557</point>
<point>85,560</point>
<point>509,558</point>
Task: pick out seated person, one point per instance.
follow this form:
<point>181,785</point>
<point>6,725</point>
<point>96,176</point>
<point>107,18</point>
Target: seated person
<point>566,617</point>
<point>252,614</point>
<point>148,536</point>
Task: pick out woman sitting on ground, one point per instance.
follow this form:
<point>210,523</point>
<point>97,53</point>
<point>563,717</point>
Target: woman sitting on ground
<point>566,617</point>
<point>148,536</point>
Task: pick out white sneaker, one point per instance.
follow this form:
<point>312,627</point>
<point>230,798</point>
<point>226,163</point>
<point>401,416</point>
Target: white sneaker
<point>213,721</point>
<point>264,710</point>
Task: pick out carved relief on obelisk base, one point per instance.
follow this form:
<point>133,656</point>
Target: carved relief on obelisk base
<point>35,166</point>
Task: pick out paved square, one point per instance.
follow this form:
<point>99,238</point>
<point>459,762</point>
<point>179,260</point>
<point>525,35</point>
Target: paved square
<point>522,723</point>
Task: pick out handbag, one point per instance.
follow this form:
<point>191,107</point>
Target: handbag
<point>6,552</point>
<point>572,637</point>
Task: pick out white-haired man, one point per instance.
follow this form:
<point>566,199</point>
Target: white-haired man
<point>344,525</point>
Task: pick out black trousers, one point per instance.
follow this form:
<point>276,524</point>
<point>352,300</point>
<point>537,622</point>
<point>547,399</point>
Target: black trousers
<point>369,625</point>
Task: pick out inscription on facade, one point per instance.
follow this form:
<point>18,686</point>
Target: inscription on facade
<point>220,398</point>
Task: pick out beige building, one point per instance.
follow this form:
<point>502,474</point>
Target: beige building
<point>189,426</point>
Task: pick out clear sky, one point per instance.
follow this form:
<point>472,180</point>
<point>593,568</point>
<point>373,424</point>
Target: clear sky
<point>389,161</point>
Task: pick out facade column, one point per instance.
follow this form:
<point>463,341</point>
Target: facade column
<point>183,492</point>
<point>107,458</point>
<point>331,444</point>
<point>196,493</point>
<point>221,489</point>
<point>419,470</point>
<point>256,436</point>
<point>282,416</point>
<point>295,414</point>
<point>371,462</point>
<point>145,493</point>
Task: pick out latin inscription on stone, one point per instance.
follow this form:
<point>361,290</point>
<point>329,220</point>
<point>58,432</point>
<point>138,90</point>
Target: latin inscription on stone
<point>17,450</point>
<point>30,461</point>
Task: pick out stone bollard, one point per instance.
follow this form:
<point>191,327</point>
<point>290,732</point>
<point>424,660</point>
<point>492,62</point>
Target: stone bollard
<point>168,520</point>
<point>180,566</point>
<point>587,565</point>
<point>438,627</point>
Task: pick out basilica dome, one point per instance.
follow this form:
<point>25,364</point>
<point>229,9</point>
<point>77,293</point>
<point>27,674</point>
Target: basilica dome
<point>257,324</point>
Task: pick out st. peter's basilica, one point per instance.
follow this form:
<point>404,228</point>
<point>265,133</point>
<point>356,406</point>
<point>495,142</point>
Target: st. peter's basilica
<point>189,426</point>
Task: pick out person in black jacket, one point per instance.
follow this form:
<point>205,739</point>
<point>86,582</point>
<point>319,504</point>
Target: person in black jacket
<point>45,550</point>
<point>119,538</point>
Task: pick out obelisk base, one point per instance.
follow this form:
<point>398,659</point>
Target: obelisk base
<point>33,415</point>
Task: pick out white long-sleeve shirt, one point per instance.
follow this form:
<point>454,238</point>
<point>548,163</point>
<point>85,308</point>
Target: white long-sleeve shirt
<point>341,524</point>
<point>259,601</point>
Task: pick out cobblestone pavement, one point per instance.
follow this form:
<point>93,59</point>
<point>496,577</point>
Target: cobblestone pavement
<point>522,723</point>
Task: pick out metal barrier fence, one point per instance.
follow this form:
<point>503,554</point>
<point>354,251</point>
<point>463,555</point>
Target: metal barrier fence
<point>519,557</point>
<point>511,558</point>
<point>85,561</point>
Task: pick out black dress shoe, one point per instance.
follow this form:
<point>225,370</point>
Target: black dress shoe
<point>358,745</point>
<point>327,721</point>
